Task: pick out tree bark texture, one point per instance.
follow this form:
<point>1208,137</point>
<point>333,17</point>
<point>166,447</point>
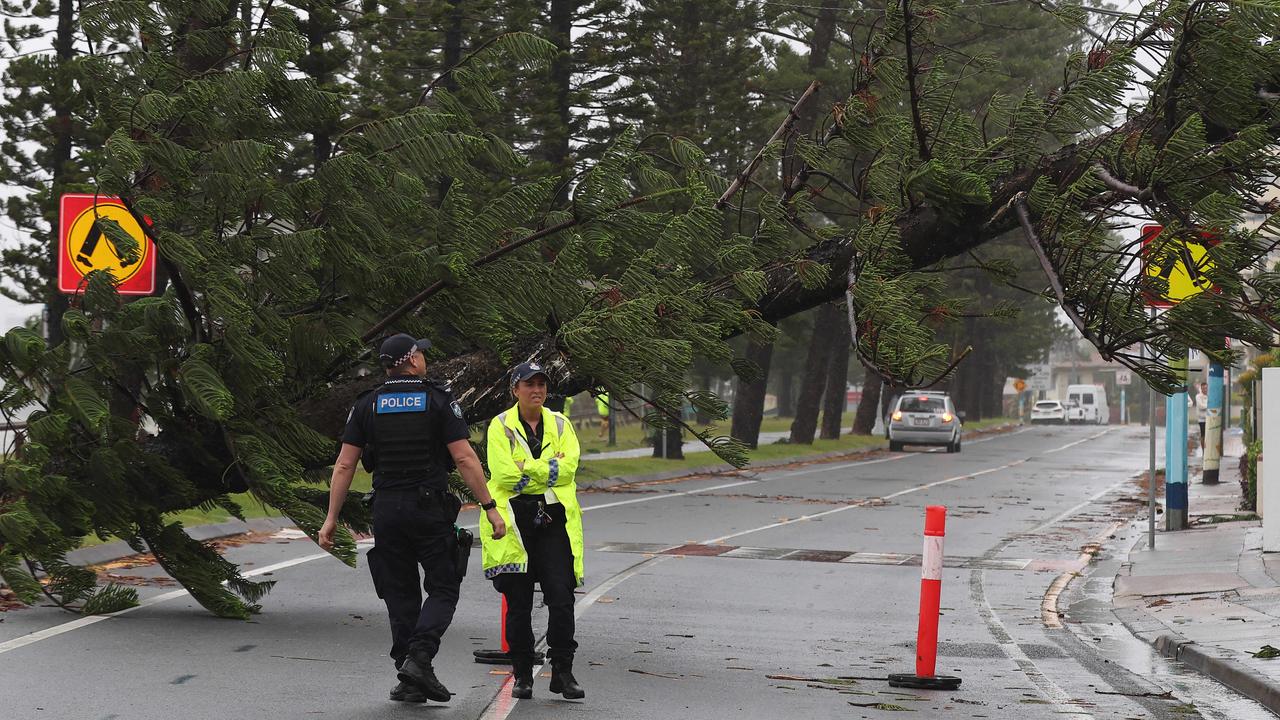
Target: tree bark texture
<point>555,141</point>
<point>55,302</point>
<point>668,444</point>
<point>748,403</point>
<point>786,387</point>
<point>835,397</point>
<point>815,374</point>
<point>864,419</point>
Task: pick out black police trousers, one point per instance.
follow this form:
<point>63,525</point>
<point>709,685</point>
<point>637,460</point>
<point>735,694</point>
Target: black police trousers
<point>551,566</point>
<point>412,531</point>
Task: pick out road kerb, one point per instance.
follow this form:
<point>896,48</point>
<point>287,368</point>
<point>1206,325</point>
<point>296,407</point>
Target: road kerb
<point>1232,673</point>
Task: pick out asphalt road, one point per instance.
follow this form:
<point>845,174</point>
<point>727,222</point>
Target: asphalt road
<point>788,593</point>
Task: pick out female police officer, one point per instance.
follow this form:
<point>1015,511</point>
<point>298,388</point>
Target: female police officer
<point>417,434</point>
<point>533,458</point>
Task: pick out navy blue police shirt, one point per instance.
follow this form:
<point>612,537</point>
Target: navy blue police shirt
<point>405,425</point>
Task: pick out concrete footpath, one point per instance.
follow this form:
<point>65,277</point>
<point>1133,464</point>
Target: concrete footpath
<point>1208,596</point>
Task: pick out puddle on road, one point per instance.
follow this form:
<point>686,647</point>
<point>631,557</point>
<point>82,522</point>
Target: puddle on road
<point>1095,626</point>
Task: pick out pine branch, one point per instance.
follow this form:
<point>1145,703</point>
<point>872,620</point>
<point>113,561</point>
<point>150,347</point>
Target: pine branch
<point>792,116</point>
<point>922,137</point>
<point>183,292</point>
<point>1139,194</point>
<point>493,255</point>
<point>1179,69</point>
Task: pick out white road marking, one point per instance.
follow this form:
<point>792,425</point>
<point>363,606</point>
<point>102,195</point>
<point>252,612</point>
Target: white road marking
<point>78,623</point>
<point>918,488</point>
<point>1051,690</point>
<point>502,705</point>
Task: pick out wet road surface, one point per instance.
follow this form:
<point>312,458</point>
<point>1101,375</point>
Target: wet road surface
<point>790,592</point>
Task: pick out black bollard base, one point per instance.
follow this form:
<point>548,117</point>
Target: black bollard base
<point>937,682</point>
<point>497,657</point>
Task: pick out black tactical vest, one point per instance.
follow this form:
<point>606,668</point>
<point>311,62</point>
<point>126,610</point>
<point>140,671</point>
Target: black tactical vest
<point>404,436</point>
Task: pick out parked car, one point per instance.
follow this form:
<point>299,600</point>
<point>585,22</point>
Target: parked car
<point>1049,411</point>
<point>927,418</point>
<point>1075,413</point>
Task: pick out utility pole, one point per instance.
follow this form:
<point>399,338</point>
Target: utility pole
<point>1213,426</point>
<point>1175,452</point>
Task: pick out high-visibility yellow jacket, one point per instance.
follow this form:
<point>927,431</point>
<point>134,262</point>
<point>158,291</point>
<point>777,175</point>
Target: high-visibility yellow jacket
<point>553,477</point>
<point>602,405</point>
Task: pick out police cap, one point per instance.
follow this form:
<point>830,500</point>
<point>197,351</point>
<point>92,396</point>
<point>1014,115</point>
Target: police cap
<point>524,371</point>
<point>396,349</point>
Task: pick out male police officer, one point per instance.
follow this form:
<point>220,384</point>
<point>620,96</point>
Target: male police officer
<point>417,434</point>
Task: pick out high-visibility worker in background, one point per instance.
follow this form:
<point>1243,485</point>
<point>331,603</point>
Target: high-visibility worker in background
<point>533,462</point>
<point>602,408</point>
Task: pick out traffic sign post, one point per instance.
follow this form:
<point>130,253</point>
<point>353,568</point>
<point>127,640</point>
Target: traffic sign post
<point>85,246</point>
<point>1175,454</point>
<point>1212,440</point>
<point>1184,265</point>
<point>1123,379</point>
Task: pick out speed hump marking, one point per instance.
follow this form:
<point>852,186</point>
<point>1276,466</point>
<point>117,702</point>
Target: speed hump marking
<point>83,245</point>
<point>1186,268</point>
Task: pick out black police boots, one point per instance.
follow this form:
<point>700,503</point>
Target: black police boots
<point>563,681</point>
<point>522,671</point>
<point>417,672</point>
<point>406,693</point>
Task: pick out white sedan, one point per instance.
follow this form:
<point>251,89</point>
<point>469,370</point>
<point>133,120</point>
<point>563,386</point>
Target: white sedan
<point>1048,411</point>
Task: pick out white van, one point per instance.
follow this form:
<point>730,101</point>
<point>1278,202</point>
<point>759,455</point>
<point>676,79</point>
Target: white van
<point>1092,399</point>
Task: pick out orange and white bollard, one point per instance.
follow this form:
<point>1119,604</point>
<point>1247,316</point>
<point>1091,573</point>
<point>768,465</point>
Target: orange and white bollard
<point>935,526</point>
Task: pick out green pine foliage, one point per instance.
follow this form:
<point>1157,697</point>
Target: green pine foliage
<point>315,175</point>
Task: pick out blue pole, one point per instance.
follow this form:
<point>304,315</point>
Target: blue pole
<point>1213,426</point>
<point>1175,456</point>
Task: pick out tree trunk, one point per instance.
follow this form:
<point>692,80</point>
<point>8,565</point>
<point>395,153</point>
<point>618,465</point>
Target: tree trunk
<point>668,444</point>
<point>555,140</point>
<point>786,395</point>
<point>864,420</point>
<point>55,302</point>
<point>815,375</point>
<point>835,396</point>
<point>319,25</point>
<point>748,403</point>
<point>701,417</point>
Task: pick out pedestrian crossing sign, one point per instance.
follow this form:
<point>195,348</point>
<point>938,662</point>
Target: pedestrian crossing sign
<point>84,245</point>
<point>1185,266</point>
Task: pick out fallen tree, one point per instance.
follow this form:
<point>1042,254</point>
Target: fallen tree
<point>279,282</point>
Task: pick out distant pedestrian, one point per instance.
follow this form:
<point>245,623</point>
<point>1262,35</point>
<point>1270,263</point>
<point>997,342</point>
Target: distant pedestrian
<point>1202,410</point>
<point>533,458</point>
<point>412,434</point>
<point>604,411</point>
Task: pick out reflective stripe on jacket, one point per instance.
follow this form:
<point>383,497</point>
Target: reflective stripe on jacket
<point>555,478</point>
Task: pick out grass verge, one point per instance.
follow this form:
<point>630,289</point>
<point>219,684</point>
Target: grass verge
<point>601,469</point>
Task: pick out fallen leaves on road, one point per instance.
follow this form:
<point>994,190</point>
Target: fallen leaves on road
<point>654,674</point>
<point>1159,603</point>
<point>882,706</point>
<point>1266,653</point>
<point>1167,695</point>
<point>138,580</point>
<point>9,600</point>
<point>841,681</point>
